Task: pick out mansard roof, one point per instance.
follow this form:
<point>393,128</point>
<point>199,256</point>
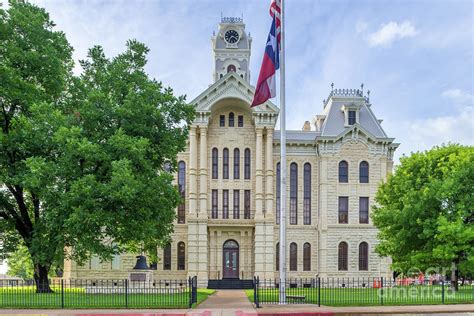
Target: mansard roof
<point>231,86</point>
<point>334,122</point>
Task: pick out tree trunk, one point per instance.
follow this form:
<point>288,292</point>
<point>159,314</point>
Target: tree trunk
<point>41,279</point>
<point>454,277</point>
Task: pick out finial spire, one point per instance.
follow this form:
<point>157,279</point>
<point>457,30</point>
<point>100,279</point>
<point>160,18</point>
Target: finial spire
<point>362,87</point>
<point>332,86</point>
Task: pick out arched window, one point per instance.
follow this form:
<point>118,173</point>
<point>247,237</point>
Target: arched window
<point>364,172</point>
<point>342,256</point>
<point>363,256</point>
<point>215,159</point>
<point>182,191</point>
<point>293,193</point>
<point>167,257</point>
<point>247,163</point>
<point>231,68</point>
<point>181,256</point>
<point>231,119</point>
<point>307,194</point>
<point>343,172</point>
<point>225,163</point>
<point>307,257</point>
<point>236,163</point>
<point>277,211</point>
<point>277,257</point>
<point>293,257</point>
<point>222,120</point>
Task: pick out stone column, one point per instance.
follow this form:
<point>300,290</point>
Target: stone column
<point>192,172</point>
<point>269,175</point>
<point>203,167</point>
<point>259,175</point>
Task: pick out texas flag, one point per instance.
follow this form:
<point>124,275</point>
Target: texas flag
<point>266,83</point>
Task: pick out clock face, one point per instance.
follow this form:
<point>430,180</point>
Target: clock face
<point>231,36</point>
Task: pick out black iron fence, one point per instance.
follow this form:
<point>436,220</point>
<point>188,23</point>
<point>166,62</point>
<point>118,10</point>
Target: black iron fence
<point>360,292</point>
<point>99,294</point>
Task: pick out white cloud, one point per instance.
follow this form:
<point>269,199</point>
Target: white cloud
<point>423,134</point>
<point>458,95</point>
<point>390,32</point>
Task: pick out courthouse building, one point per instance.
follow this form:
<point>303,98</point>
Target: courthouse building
<point>228,224</point>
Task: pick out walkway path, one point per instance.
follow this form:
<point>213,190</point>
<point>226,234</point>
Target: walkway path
<point>226,302</point>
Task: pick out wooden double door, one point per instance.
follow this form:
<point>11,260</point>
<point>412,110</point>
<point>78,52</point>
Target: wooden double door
<point>230,260</point>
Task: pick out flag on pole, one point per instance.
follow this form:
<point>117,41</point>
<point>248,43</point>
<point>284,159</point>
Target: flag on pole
<point>266,83</point>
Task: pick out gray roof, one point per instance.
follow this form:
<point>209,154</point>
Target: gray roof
<point>297,135</point>
<point>334,123</point>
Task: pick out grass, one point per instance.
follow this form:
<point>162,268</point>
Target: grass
<point>401,295</point>
<point>25,297</point>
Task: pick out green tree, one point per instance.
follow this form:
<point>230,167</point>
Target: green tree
<point>20,264</point>
<point>425,211</point>
<point>82,158</point>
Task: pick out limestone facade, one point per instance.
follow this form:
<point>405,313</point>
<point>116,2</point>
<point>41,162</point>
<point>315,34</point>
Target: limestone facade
<point>210,218</point>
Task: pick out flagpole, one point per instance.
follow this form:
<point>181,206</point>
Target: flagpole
<point>282,262</point>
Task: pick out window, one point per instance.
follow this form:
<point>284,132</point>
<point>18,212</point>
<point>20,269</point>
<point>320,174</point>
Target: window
<point>307,194</point>
<point>167,257</point>
<point>214,204</point>
<point>306,257</point>
<point>231,119</point>
<point>363,210</point>
<point>241,120</point>
<point>94,263</point>
<point>225,163</point>
<point>343,210</point>
<point>182,191</point>
<point>277,257</point>
<point>181,256</point>
<point>115,264</point>
<point>342,256</point>
<point>247,204</point>
<point>247,164</point>
<point>293,257</point>
<point>343,172</point>
<point>352,117</point>
<point>364,172</point>
<point>215,159</point>
<point>225,204</point>
<point>363,256</point>
<point>293,194</point>
<point>231,68</point>
<point>277,194</point>
<point>222,120</point>
<point>236,163</point>
<point>236,204</point>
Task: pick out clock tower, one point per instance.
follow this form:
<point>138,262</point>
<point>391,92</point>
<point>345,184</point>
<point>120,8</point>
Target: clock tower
<point>231,46</point>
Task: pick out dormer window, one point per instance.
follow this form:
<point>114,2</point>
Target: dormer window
<point>351,114</point>
<point>352,117</point>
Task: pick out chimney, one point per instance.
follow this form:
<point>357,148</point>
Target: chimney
<point>307,126</point>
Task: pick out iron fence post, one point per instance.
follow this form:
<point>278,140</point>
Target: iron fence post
<point>190,286</point>
<point>381,290</point>
<point>442,290</point>
<point>319,292</point>
<point>62,293</point>
<point>126,293</point>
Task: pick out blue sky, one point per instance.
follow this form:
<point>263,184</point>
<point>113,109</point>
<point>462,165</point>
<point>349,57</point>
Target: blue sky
<point>416,57</point>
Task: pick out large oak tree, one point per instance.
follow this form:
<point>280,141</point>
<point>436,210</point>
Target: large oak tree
<point>82,157</point>
<point>425,212</point>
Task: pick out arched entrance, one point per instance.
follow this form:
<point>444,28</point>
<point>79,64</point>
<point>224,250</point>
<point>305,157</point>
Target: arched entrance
<point>230,260</point>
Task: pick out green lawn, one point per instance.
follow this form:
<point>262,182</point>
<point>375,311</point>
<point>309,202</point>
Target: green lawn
<point>402,295</point>
<point>25,297</point>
